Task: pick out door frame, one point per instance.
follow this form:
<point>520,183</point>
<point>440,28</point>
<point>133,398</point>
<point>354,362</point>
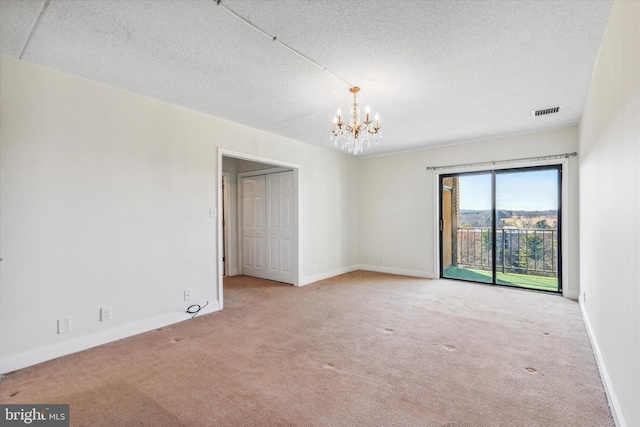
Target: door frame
<point>226,178</point>
<point>223,152</point>
<point>563,254</point>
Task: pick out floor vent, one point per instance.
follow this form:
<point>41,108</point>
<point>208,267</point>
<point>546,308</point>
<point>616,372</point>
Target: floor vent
<point>545,111</point>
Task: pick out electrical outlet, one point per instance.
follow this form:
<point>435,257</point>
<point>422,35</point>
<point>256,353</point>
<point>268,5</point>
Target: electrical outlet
<point>105,314</point>
<point>64,325</point>
<point>381,260</point>
<point>584,297</point>
<point>187,294</point>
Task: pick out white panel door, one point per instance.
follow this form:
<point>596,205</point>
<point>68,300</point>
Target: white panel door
<point>253,226</point>
<point>273,227</point>
<point>279,226</point>
<point>267,226</point>
<point>286,227</point>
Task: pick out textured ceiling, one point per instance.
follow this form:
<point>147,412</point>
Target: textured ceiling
<point>438,72</point>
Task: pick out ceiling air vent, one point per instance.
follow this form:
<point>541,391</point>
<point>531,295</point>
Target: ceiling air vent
<point>546,111</point>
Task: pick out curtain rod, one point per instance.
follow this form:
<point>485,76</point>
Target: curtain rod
<point>494,162</point>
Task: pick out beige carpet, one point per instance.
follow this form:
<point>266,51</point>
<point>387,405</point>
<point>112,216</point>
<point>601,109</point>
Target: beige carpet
<point>361,349</point>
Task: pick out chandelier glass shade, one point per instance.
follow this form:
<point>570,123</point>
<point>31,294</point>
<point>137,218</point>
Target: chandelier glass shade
<point>354,135</point>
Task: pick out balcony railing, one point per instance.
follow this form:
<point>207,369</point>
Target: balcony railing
<point>531,251</point>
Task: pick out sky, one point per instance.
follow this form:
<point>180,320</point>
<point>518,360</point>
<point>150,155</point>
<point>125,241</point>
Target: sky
<point>529,191</point>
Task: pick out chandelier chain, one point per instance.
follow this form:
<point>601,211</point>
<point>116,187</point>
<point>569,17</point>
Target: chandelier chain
<point>276,40</point>
<point>352,135</point>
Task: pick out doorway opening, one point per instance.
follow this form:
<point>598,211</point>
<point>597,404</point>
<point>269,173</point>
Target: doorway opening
<point>503,227</point>
<point>236,168</point>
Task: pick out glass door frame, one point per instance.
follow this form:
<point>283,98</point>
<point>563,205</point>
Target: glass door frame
<point>560,167</point>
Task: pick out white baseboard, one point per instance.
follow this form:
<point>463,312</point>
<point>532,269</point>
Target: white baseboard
<point>571,294</point>
<point>22,360</point>
<point>614,404</point>
<point>328,274</point>
<point>398,271</point>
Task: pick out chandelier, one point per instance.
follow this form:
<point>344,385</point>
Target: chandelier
<point>354,135</point>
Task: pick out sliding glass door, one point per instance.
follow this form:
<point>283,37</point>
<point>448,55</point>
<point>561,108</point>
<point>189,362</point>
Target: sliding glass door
<point>502,227</point>
<point>467,226</point>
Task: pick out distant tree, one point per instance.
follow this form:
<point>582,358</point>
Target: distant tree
<point>542,224</point>
<point>534,247</point>
<point>529,252</point>
<point>487,242</point>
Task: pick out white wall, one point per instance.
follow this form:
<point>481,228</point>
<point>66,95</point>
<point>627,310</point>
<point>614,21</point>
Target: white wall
<point>105,203</point>
<point>397,200</point>
<point>610,210</point>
